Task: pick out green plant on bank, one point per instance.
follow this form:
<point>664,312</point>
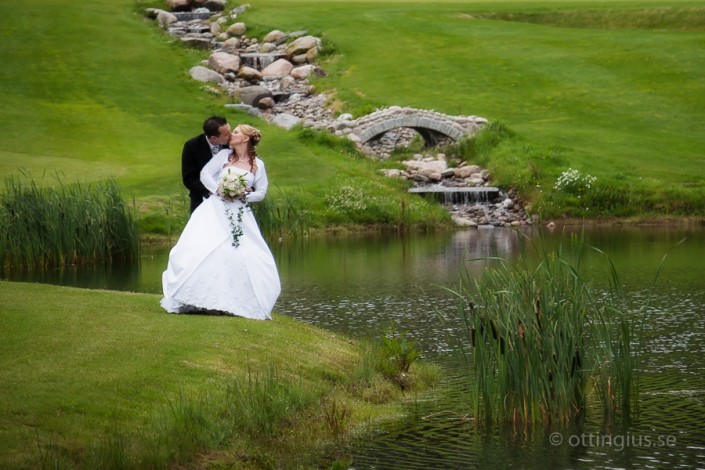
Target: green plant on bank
<point>399,349</point>
<point>60,224</point>
<point>336,415</point>
<point>364,201</point>
<point>392,357</point>
<point>539,339</point>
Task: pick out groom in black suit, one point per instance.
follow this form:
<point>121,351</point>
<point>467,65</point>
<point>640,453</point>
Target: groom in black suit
<point>198,151</point>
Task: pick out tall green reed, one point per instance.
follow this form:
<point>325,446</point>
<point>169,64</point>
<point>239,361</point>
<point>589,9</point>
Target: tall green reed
<point>538,340</point>
<point>61,225</point>
<point>283,219</point>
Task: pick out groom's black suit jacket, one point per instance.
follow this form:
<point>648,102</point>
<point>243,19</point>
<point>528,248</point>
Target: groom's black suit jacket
<point>195,155</point>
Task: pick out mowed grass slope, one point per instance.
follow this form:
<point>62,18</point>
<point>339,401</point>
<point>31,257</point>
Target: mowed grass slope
<point>96,90</point>
<point>81,367</point>
<point>613,89</point>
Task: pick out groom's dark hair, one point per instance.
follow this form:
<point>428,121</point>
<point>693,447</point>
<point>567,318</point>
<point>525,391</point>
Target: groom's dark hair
<point>212,125</point>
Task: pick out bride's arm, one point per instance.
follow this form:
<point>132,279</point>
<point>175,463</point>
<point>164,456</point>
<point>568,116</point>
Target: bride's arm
<point>210,172</point>
<point>260,184</point>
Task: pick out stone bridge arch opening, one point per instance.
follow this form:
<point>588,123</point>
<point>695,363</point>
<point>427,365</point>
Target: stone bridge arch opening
<point>430,137</point>
<point>433,127</point>
<point>431,131</point>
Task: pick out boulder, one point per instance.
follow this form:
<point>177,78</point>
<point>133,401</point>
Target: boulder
<point>265,103</point>
<point>278,68</point>
<point>197,43</point>
<point>466,171</point>
<point>285,120</point>
<point>253,94</point>
<point>299,59</point>
<point>463,222</point>
<point>251,110</point>
<point>231,46</point>
<point>287,83</point>
<point>237,29</point>
<point>311,55</point>
<point>204,74</point>
<point>179,5</point>
<point>302,72</point>
<point>164,19</point>
<point>302,45</point>
<point>426,167</point>
<point>249,74</point>
<point>266,48</point>
<point>223,62</point>
<point>274,37</point>
<point>214,5</point>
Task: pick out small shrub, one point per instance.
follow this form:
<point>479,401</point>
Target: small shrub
<point>399,349</point>
<point>574,182</point>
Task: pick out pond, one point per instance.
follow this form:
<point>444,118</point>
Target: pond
<point>358,285</point>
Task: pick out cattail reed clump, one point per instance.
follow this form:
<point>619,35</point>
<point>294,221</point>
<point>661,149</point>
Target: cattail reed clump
<point>60,225</point>
<point>538,342</point>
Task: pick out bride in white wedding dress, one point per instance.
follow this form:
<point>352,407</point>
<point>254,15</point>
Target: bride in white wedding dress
<point>221,263</point>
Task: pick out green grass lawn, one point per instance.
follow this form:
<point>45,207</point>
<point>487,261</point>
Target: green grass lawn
<point>610,88</point>
<point>82,368</point>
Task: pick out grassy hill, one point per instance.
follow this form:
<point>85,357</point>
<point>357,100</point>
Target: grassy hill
<point>609,88</point>
<point>612,89</point>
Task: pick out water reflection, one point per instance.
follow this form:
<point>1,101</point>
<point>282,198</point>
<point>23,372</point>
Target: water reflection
<point>359,284</point>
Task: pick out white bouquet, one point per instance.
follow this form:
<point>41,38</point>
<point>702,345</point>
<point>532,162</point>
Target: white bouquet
<point>232,185</point>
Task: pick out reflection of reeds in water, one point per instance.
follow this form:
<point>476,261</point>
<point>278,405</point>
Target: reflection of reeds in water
<point>45,227</point>
<point>538,340</point>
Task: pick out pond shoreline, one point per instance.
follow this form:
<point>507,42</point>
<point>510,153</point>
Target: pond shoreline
<point>641,221</point>
<point>551,224</point>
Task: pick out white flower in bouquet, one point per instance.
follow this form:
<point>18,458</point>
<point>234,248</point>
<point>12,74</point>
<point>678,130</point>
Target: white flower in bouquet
<point>232,185</point>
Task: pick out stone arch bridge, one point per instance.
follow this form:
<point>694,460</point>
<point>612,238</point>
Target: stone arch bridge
<point>433,127</point>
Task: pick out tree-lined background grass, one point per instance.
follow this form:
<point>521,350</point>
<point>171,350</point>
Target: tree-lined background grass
<point>612,89</point>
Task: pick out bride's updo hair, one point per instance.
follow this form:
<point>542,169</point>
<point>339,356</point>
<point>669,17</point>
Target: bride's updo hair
<point>251,132</point>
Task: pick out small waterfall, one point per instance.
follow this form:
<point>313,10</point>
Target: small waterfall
<point>481,206</point>
<point>192,15</point>
<point>259,60</point>
<point>463,196</point>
